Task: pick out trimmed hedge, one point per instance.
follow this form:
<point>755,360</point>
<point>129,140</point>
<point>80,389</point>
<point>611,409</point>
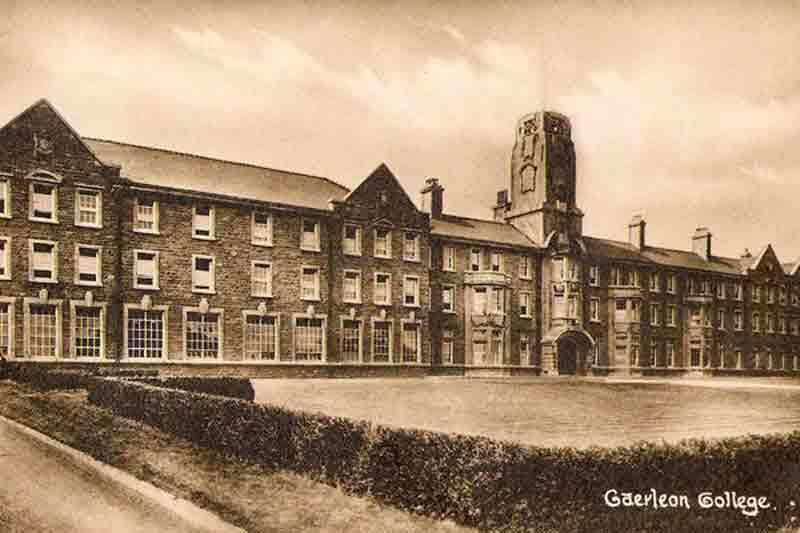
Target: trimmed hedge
<point>220,386</point>
<point>43,379</point>
<point>476,481</point>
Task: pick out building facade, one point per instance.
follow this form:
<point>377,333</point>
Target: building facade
<point>112,253</point>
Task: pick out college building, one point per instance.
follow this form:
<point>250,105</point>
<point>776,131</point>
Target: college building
<point>117,254</point>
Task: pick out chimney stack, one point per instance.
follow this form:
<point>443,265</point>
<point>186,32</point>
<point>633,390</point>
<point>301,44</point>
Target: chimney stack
<point>432,198</point>
<point>701,243</point>
<point>636,235</point>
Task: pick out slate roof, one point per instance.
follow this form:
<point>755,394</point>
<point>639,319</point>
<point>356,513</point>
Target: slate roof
<point>474,229</point>
<point>158,167</point>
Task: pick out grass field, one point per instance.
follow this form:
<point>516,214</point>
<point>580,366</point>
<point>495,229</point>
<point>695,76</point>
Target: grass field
<point>548,412</point>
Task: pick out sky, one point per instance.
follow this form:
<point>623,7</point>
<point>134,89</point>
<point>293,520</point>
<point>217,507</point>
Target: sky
<point>687,112</point>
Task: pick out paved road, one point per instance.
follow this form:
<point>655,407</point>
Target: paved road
<point>43,489</point>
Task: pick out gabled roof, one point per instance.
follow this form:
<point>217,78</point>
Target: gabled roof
<point>618,250</point>
<point>159,167</point>
<point>381,172</point>
<point>474,229</point>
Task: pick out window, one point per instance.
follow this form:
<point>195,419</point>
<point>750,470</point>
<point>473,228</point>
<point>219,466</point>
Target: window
<point>449,259</point>
<point>202,336</point>
<point>620,308</point>
<point>410,246</point>
<point>782,296</point>
<point>479,301</point>
<point>260,337</point>
<point>497,262</point>
<point>475,260</point>
<point>770,294</point>
<point>44,202</point>
<point>782,325</point>
<point>261,279</point>
<point>594,275</point>
<point>756,322</point>
<point>721,318</point>
<point>654,314</point>
<point>88,265</point>
<point>756,293</point>
<point>447,347</point>
<point>88,331</point>
<point>7,327</point>
<point>145,269</point>
<point>203,270</point>
<point>352,240</point>
<point>145,216</point>
<point>411,342</point>
<point>449,299</point>
<point>669,353</point>
<point>5,198</point>
<point>706,317</point>
<point>672,315</point>
<point>721,290</point>
<point>738,320</point>
<point>351,340</point>
<point>654,285</point>
<point>525,267</point>
<point>309,283</point>
<point>43,261</point>
<point>524,349</point>
<point>671,283</point>
<point>309,240</point>
<point>146,333</point>
<point>351,291</point>
<point>705,286</point>
<point>739,359</point>
<point>635,311</point>
<point>594,309</point>
<point>796,327</point>
<point>411,291</point>
<point>737,290</point>
<point>262,229</point>
<point>203,222</point>
<point>5,257</point>
<point>770,323</point>
<point>43,327</point>
<point>309,338</point>
<point>497,304</point>
<point>88,208</point>
<point>383,243</point>
<point>653,353</point>
<point>381,341</point>
<point>525,304</point>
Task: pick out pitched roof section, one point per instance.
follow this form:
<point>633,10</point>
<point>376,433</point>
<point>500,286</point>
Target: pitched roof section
<point>158,167</point>
<point>479,230</point>
<point>386,178</point>
<point>617,250</point>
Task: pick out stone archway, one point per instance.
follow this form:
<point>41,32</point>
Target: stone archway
<point>566,351</point>
<point>567,355</point>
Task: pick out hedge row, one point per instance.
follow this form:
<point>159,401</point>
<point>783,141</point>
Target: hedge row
<point>476,481</point>
<point>220,386</point>
<point>43,379</point>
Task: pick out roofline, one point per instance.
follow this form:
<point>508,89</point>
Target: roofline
<point>467,240</point>
<point>217,160</point>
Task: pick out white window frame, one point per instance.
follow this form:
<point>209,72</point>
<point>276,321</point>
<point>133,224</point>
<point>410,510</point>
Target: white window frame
<point>98,266</point>
<point>721,290</point>
<point>98,210</point>
<point>53,196</point>
<point>525,355</point>
<point>448,339</point>
<point>156,275</point>
<point>449,287</point>
<point>671,282</point>
<point>268,242</point>
<point>496,260</point>
<point>416,258</point>
<point>253,265</point>
<point>315,246</point>
<point>277,342</point>
<point>357,242</point>
<point>594,276</point>
<point>212,289</point>
<point>316,296</point>
<point>390,346</point>
<point>756,323</point>
<point>324,338</point>
<point>357,299</point>
<point>388,254</point>
<point>388,288</point>
<point>738,324</point>
<point>73,313</point>
<point>360,322</point>
<point>672,316</point>
<point>594,309</point>
<point>449,259</point>
<point>528,311</point>
<point>721,319</point>
<point>738,291</point>
<point>156,218</point>
<point>11,303</point>
<point>406,279</point>
<point>7,252</point>
<point>164,310</point>
<point>475,253</point>
<point>404,323</point>
<point>655,309</point>
<point>526,268</point>
<point>53,262</point>
<point>220,312</point>
<point>655,286</point>
<point>59,328</point>
<point>212,223</point>
<point>5,182</point>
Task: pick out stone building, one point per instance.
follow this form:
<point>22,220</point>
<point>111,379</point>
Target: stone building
<point>112,253</point>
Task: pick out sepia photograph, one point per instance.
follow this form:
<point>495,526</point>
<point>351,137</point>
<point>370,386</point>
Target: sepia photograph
<point>399,266</point>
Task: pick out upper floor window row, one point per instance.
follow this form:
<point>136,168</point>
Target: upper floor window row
<point>480,260</point>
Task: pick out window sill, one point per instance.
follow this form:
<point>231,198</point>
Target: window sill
<point>262,244</point>
<point>594,321</point>
<point>147,231</point>
<point>412,306</point>
<point>449,311</point>
<point>352,254</point>
<point>203,238</point>
<point>523,278</point>
<point>302,299</point>
<point>412,260</point>
<point>6,216</point>
<point>138,288</point>
<point>44,220</point>
<point>261,295</point>
<point>352,302</point>
<point>204,291</point>
<point>449,270</point>
<point>382,256</point>
<point>89,226</point>
<point>88,284</point>
<point>383,304</point>
<point>308,249</point>
<point>5,278</point>
<point>47,281</point>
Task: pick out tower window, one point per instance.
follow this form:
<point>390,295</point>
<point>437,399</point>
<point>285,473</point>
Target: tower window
<point>528,178</point>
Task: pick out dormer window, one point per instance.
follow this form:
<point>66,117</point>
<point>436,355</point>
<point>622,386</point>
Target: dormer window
<point>44,202</point>
<point>203,222</point>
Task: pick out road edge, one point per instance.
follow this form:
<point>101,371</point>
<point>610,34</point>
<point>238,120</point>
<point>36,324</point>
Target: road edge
<point>183,508</point>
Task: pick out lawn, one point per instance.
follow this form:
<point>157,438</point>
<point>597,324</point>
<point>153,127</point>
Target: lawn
<point>546,411</point>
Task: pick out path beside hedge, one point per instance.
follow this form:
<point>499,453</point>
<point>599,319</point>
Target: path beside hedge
<point>249,496</point>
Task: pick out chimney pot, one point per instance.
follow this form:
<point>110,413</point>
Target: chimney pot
<point>636,231</point>
<point>432,198</point>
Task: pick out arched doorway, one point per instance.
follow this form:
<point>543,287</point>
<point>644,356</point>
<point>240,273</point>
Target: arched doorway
<point>567,357</point>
